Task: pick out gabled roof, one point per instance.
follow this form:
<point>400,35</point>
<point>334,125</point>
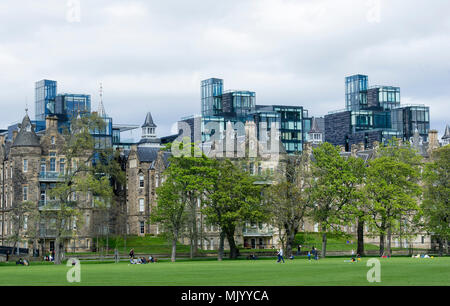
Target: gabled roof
<point>314,127</point>
<point>26,136</point>
<point>447,132</point>
<point>147,154</point>
<point>149,121</point>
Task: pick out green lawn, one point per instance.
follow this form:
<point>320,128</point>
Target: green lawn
<point>329,271</point>
<point>334,242</point>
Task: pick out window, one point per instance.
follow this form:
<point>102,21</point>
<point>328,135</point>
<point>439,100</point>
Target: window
<point>43,166</point>
<point>141,181</point>
<point>61,165</point>
<point>25,165</point>
<point>52,164</point>
<point>25,193</point>
<point>25,223</point>
<point>141,205</point>
<point>142,226</point>
<point>53,140</point>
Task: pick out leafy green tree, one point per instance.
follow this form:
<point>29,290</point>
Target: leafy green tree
<point>436,205</point>
<point>23,215</point>
<point>392,191</point>
<point>290,198</point>
<point>336,189</point>
<point>231,200</point>
<point>80,185</point>
<point>191,170</point>
<point>171,211</point>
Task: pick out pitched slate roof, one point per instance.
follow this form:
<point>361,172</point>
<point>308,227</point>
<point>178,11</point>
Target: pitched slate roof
<point>447,132</point>
<point>26,138</point>
<point>314,127</point>
<point>149,154</point>
<point>149,121</point>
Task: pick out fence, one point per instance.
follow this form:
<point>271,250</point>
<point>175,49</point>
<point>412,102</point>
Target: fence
<point>13,251</point>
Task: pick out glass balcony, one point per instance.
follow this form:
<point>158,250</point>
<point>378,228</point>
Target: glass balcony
<point>50,177</point>
<point>52,205</point>
<point>257,232</point>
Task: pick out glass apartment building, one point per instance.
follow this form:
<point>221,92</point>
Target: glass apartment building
<point>356,92</point>
<point>45,94</point>
<point>406,119</point>
<point>68,106</point>
<point>293,122</point>
<point>239,106</point>
<point>374,114</point>
<point>211,92</point>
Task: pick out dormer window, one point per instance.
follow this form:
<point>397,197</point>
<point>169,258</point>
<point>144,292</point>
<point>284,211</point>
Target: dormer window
<point>28,127</point>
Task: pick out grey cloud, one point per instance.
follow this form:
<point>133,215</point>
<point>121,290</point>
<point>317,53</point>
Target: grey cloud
<point>152,55</point>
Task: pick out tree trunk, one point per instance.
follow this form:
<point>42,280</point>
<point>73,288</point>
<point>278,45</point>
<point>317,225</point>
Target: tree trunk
<point>221,245</point>
<point>174,247</point>
<point>441,247</point>
<point>194,231</point>
<point>234,251</point>
<point>57,258</point>
<point>324,243</point>
<point>389,241</point>
<point>290,238</point>
<point>381,244</point>
<point>360,233</point>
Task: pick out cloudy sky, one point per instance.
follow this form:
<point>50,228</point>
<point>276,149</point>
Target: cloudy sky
<point>152,55</point>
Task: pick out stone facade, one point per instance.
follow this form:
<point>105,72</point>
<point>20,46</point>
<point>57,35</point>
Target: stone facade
<point>30,165</point>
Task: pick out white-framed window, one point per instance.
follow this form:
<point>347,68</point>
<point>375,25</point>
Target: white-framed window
<point>141,205</point>
<point>316,227</point>
<point>141,180</point>
<point>25,165</point>
<point>25,223</point>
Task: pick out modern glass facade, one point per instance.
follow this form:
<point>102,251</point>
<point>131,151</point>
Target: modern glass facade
<point>374,114</point>
<point>103,138</point>
<point>356,92</point>
<point>406,119</point>
<point>211,92</point>
<point>68,106</point>
<point>45,94</point>
<point>293,122</point>
<point>239,106</point>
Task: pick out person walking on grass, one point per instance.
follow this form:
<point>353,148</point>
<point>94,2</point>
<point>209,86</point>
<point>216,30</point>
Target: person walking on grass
<point>131,253</point>
<point>299,249</point>
<point>280,255</point>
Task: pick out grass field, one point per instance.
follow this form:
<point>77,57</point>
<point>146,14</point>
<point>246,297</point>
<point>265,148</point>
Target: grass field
<point>263,272</point>
<point>158,245</point>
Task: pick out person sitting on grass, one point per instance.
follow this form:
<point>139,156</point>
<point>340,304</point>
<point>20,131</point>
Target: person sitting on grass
<point>19,262</point>
<point>292,257</point>
<point>151,259</point>
<point>143,260</point>
<point>309,255</point>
